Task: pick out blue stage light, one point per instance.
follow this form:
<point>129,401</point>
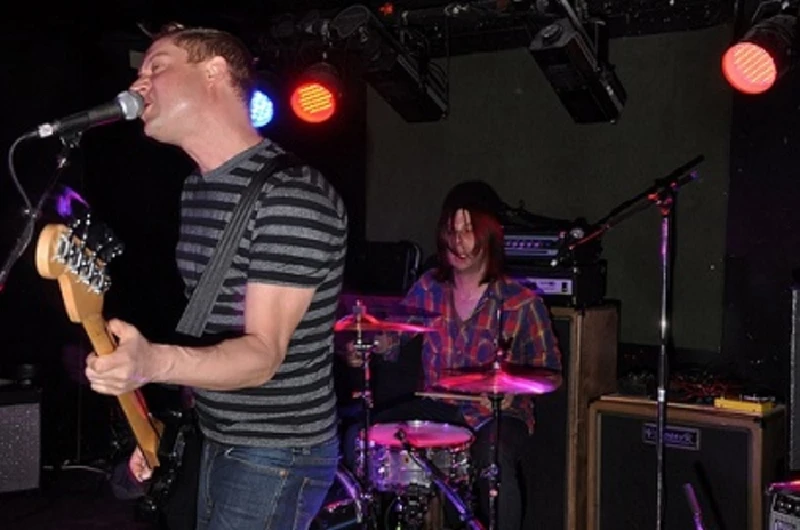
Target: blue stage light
<point>261,109</point>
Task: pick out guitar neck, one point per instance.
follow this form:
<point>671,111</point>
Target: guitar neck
<point>146,429</point>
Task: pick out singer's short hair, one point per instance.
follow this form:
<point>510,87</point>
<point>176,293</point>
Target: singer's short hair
<point>481,201</point>
<point>202,44</point>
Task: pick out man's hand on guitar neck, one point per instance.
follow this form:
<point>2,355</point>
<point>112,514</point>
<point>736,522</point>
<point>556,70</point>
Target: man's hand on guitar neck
<point>138,467</point>
<point>131,365</point>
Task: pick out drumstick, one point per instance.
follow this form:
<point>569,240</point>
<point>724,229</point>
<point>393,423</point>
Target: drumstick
<point>443,395</point>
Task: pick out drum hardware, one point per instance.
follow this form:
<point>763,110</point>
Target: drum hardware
<point>492,472</point>
<point>408,509</point>
<point>496,381</point>
<point>394,471</point>
<point>464,513</point>
<point>493,381</point>
<point>500,377</point>
<point>360,321</point>
<point>345,509</point>
<point>446,396</point>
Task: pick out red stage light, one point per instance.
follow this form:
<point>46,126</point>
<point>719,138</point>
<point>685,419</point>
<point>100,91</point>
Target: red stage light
<point>313,102</point>
<point>749,68</point>
<point>763,55</point>
<point>315,99</point>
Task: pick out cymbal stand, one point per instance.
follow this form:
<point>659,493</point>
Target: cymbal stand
<point>365,349</point>
<point>438,478</point>
<point>492,472</point>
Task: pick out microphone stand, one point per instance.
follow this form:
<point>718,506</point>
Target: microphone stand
<point>68,144</point>
<point>664,194</point>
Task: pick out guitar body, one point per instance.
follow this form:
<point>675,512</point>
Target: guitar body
<point>171,498</point>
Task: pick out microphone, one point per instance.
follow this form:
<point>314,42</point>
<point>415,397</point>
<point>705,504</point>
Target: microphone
<point>128,105</point>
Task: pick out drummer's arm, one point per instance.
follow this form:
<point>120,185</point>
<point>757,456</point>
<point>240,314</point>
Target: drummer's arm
<point>540,344</point>
<point>388,345</point>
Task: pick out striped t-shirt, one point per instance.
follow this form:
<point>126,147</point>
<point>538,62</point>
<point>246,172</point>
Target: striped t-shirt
<point>296,236</point>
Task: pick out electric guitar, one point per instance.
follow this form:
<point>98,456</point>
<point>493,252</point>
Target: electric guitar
<point>77,257</point>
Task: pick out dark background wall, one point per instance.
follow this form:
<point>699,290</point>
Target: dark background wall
<point>763,248</point>
<point>507,126</point>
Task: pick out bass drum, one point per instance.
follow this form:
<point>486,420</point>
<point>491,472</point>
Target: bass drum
<point>342,507</point>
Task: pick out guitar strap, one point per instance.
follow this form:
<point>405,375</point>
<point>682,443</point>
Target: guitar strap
<point>204,295</point>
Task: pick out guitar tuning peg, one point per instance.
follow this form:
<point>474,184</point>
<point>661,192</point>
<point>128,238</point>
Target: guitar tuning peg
<point>110,251</point>
<point>109,237</point>
<point>80,226</point>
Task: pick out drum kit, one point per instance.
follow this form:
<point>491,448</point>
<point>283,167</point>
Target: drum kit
<point>410,462</point>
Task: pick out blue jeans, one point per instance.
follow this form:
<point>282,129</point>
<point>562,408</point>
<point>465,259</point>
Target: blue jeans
<point>255,488</point>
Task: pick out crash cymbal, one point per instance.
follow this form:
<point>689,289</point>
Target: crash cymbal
<point>504,378</point>
<point>367,322</point>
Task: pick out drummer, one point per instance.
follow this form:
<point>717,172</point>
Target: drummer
<point>468,290</point>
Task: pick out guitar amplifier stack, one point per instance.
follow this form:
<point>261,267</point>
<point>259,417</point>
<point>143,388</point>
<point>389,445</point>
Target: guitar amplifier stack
<point>565,285</point>
<point>729,457</point>
<point>541,260</point>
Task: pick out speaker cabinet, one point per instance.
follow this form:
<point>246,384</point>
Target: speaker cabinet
<point>588,341</point>
<point>728,457</point>
<point>20,432</point>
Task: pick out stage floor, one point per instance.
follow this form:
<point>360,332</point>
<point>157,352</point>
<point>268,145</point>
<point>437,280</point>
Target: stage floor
<point>69,500</point>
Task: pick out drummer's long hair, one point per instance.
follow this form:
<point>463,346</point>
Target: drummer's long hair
<point>488,234</point>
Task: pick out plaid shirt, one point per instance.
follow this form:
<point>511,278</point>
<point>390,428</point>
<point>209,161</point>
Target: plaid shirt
<point>459,344</point>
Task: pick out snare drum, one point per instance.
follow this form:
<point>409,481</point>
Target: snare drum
<point>393,470</point>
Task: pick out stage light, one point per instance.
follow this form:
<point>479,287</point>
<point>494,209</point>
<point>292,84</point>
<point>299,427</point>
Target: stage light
<point>316,95</point>
<point>584,81</point>
<point>762,56</point>
<point>413,85</point>
<point>262,109</point>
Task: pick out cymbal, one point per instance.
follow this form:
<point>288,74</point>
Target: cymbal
<point>507,378</point>
<point>369,323</point>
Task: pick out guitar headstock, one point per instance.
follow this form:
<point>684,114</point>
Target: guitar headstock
<point>77,256</point>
